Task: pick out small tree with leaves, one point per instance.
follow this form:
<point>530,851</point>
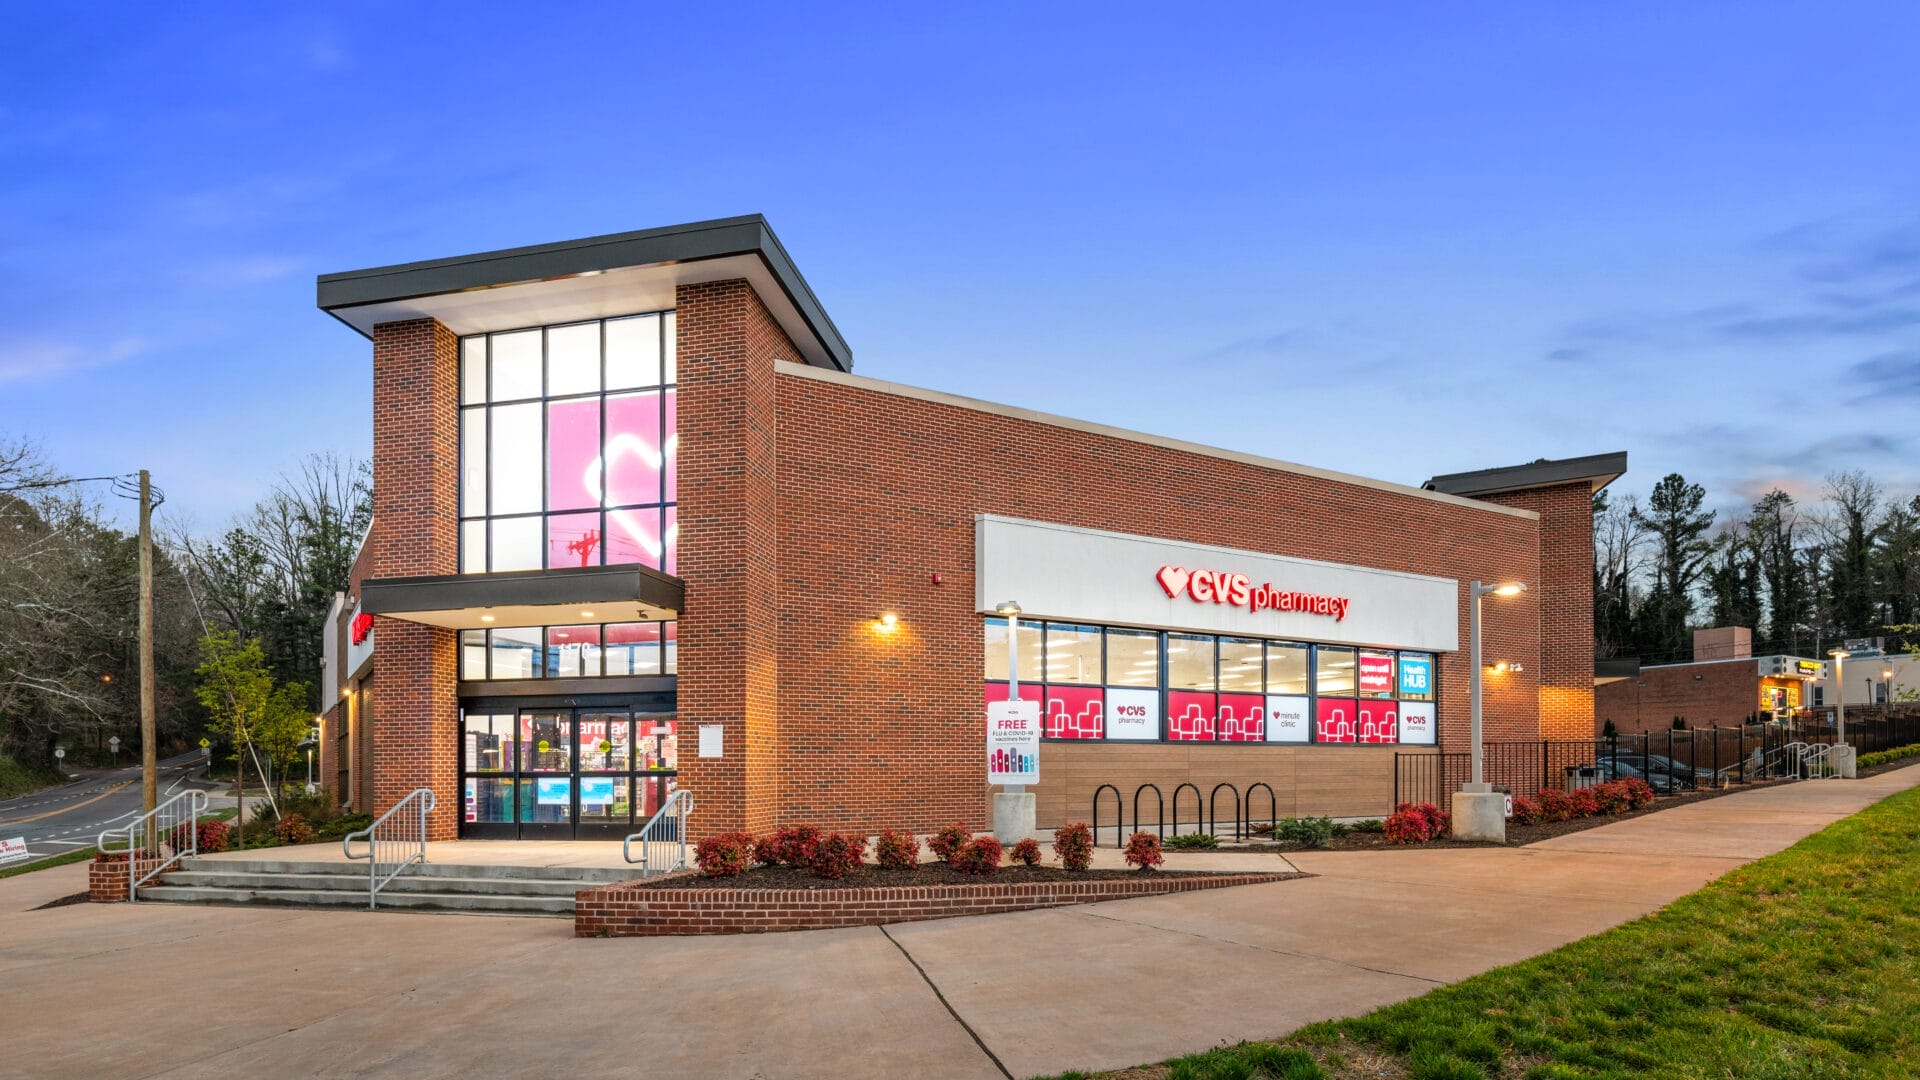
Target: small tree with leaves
<point>236,687</point>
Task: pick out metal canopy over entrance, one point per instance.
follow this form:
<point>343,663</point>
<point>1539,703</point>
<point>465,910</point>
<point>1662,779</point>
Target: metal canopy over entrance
<point>565,769</point>
<point>628,593</point>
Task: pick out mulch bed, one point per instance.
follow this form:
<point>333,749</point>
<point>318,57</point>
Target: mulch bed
<point>1519,835</point>
<point>927,873</point>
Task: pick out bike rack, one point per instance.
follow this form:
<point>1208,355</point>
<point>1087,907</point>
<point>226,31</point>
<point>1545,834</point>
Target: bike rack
<point>1273,809</point>
<point>1213,818</point>
<point>1119,814</point>
<point>1197,820</point>
<point>1159,810</point>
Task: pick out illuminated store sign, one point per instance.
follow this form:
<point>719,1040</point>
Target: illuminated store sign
<point>1223,587</point>
<point>1093,576</point>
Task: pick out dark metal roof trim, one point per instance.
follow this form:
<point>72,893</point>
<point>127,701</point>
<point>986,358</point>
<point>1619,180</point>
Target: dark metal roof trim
<point>531,588</point>
<point>1597,470</point>
<point>700,240</point>
<point>1616,667</point>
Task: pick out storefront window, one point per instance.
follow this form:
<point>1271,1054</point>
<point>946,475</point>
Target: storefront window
<point>1073,654</point>
<point>1416,676</point>
<point>1287,667</point>
<point>1333,670</point>
<point>1190,661</point>
<point>1133,658</point>
<point>996,651</point>
<point>1105,683</point>
<point>1375,675</point>
<point>566,652</point>
<point>568,446</point>
<point>1240,666</point>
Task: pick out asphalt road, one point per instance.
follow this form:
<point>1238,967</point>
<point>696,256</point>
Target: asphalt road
<point>64,818</point>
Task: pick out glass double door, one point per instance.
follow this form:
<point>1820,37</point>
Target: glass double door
<point>553,773</point>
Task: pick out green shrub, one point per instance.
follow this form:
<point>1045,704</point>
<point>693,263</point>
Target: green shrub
<point>1193,840</point>
<point>1372,825</point>
<point>1316,832</point>
<point>1881,757</point>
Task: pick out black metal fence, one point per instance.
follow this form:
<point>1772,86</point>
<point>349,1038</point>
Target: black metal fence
<point>1671,761</point>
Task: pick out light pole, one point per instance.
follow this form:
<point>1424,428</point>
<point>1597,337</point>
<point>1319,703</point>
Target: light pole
<point>1842,752</point>
<point>1013,809</point>
<point>1478,813</point>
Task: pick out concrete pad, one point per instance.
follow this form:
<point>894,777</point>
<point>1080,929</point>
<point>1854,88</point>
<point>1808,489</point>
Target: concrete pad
<point>276,990</point>
<point>1073,988</point>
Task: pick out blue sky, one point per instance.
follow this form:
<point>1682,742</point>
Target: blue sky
<point>1395,239</point>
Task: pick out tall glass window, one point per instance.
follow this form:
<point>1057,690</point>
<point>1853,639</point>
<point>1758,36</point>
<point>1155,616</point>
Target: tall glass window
<point>568,446</point>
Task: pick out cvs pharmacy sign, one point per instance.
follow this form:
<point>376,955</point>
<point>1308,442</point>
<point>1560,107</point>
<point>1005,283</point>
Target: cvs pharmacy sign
<point>1238,590</point>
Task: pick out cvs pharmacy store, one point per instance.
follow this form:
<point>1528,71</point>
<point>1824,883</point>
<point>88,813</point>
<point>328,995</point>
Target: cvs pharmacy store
<point>640,528</point>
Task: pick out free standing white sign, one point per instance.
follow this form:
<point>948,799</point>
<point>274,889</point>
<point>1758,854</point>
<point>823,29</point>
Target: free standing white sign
<point>11,850</point>
<point>1013,742</point>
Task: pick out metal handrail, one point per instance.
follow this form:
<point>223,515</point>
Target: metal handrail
<point>668,826</point>
<point>162,830</point>
<point>405,831</point>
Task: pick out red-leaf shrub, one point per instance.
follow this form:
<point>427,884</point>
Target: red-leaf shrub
<point>293,829</point>
<point>835,855</point>
<point>1143,851</point>
<point>1639,792</point>
<point>1026,852</point>
<point>948,841</point>
<point>213,835</point>
<point>896,850</point>
<point>1525,811</point>
<point>724,854</point>
<point>790,845</point>
<point>1613,797</point>
<point>978,856</point>
<point>1584,803</point>
<point>1074,844</point>
<point>1554,805</point>
<point>1416,823</point>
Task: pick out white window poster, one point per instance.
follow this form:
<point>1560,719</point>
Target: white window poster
<point>1287,720</point>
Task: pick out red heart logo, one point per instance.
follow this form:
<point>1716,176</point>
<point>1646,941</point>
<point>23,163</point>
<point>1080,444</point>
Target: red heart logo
<point>1173,579</point>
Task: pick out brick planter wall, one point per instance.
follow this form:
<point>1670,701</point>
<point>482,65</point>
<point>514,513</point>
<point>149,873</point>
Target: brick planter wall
<point>632,909</point>
<point>107,879</point>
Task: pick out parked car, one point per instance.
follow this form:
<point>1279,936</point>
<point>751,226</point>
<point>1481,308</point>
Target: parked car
<point>1664,774</point>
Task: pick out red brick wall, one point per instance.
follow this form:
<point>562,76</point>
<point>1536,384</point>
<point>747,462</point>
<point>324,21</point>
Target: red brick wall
<point>416,462</point>
<point>635,910</point>
<point>1565,606</point>
<point>878,492</point>
<point>729,544</point>
<point>1705,694</point>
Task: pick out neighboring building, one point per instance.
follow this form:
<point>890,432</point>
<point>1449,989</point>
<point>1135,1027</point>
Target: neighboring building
<point>638,527</point>
<point>1870,680</point>
<point>1724,685</point>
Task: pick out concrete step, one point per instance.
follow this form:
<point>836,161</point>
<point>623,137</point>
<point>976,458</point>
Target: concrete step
<point>357,883</point>
<point>585,875</point>
<point>477,903</point>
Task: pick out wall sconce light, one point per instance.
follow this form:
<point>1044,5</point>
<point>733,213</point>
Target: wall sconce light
<point>886,622</point>
<point>1506,666</point>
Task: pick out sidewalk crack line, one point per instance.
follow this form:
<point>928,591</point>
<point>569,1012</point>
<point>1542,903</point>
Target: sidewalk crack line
<point>948,1005</point>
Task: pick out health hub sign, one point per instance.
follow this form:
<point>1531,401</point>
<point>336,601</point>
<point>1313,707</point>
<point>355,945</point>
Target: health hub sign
<point>1013,742</point>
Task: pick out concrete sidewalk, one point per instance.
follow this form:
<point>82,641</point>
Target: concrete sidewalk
<point>208,991</point>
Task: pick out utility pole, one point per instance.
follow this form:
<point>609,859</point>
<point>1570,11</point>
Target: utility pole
<point>149,748</point>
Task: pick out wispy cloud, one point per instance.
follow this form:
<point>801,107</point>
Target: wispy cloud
<point>1891,374</point>
<point>41,358</point>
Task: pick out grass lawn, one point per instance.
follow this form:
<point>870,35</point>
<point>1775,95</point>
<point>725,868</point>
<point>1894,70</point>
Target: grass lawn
<point>18,778</point>
<point>1806,963</point>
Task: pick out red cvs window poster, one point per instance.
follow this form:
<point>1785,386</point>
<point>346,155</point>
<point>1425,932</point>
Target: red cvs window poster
<point>1075,712</point>
<point>1189,716</point>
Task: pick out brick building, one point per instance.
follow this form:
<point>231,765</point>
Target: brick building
<point>1724,685</point>
<point>639,527</point>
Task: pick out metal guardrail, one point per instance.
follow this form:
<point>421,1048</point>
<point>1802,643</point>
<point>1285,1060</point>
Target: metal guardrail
<point>173,826</point>
<point>400,833</point>
<point>663,839</point>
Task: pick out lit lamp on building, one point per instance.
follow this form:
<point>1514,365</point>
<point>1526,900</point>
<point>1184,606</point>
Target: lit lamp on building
<point>1479,812</point>
<point>1886,685</point>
